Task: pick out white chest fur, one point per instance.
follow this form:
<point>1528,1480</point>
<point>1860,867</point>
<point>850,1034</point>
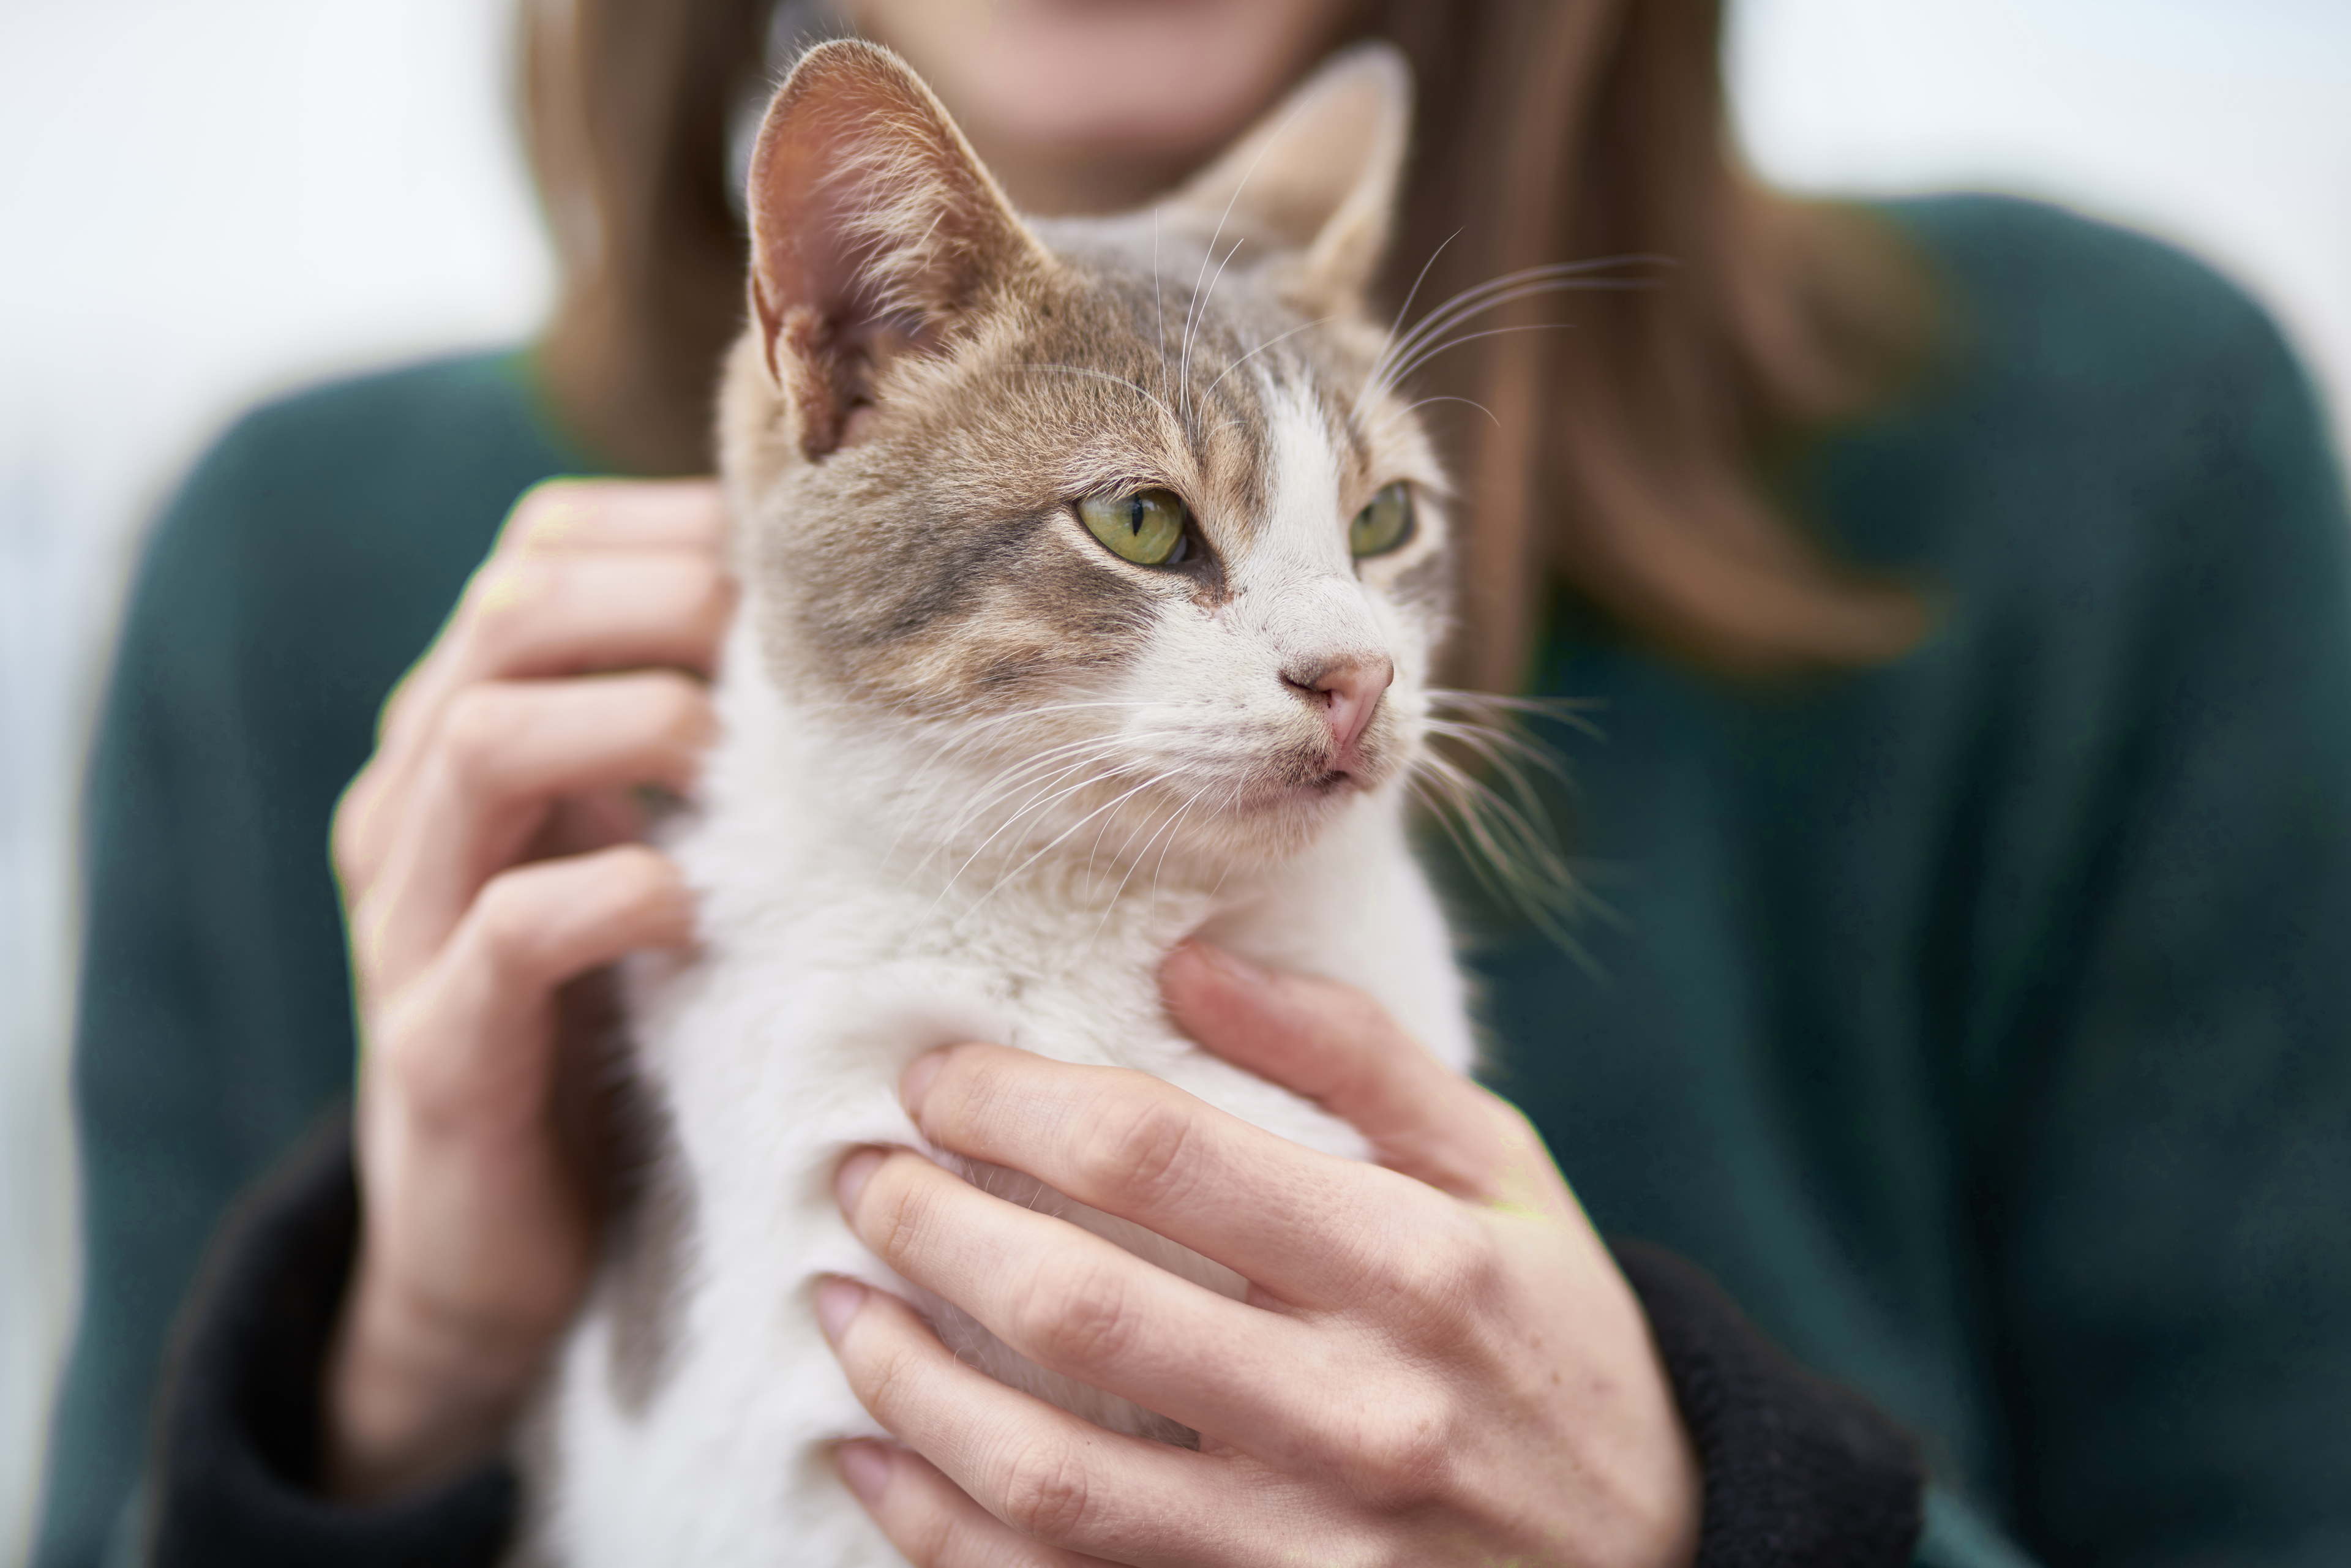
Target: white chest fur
<point>778,1046</point>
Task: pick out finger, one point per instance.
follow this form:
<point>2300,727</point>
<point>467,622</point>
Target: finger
<point>1335,1046</point>
<point>1049,1475</point>
<point>617,513</point>
<point>502,753</point>
<point>552,615</point>
<point>1080,1305</point>
<point>528,614</point>
<point>930,1519</point>
<point>1307,1228</point>
<point>685,516</point>
<point>469,1041</point>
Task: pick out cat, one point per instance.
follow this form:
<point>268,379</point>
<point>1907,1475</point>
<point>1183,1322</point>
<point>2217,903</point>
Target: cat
<point>1092,574</point>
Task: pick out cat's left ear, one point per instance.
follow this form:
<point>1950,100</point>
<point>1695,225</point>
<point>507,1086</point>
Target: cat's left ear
<point>1319,176</point>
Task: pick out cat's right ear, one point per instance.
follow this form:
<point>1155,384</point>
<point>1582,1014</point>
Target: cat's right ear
<point>1318,176</point>
<point>874,231</point>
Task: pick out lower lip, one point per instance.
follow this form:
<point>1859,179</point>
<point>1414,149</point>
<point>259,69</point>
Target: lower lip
<point>1331,786</point>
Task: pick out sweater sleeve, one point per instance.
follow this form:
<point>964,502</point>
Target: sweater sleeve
<point>235,1469</point>
<point>2168,1154</point>
<point>1798,1470</point>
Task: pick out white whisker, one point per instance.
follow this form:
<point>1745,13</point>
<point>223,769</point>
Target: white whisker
<point>1424,403</point>
<point>1159,300</point>
<point>1136,864</point>
<point>1524,283</point>
<point>1261,348</point>
<point>1014,873</point>
<point>1410,294</point>
<point>1200,314</point>
<point>1117,380</point>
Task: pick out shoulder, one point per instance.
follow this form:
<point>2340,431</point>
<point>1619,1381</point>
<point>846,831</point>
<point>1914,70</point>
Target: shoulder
<point>2042,294</point>
<point>324,533</point>
<point>2107,409</point>
<point>296,474</point>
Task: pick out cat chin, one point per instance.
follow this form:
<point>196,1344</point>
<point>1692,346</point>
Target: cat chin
<point>1311,798</point>
<point>1280,817</point>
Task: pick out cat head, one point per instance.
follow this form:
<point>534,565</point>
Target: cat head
<point>1117,518</point>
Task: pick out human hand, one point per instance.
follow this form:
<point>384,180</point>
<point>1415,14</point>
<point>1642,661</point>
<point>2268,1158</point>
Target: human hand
<point>1436,1362</point>
<point>487,854</point>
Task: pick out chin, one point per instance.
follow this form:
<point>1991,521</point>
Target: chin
<point>1052,75</point>
<point>1281,815</point>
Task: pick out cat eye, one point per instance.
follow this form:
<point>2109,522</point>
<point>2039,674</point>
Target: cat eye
<point>1382,526</point>
<point>1146,527</point>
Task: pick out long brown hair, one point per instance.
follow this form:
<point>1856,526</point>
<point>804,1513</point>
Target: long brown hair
<point>1622,459</point>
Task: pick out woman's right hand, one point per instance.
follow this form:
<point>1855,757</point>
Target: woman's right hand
<point>488,853</point>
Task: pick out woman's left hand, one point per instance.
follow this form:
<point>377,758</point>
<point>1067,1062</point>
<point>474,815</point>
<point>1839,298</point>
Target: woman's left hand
<point>1436,1363</point>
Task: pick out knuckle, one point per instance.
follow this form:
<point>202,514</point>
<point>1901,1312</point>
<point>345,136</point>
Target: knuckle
<point>509,926</point>
<point>1443,1270</point>
<point>935,1538</point>
<point>1353,1015</point>
<point>1513,1131</point>
<point>506,599</point>
<point>1082,1318</point>
<point>366,917</point>
<point>349,834</point>
<point>476,731</point>
<point>895,1210</point>
<point>1404,1455</point>
<point>393,715</point>
<point>544,514</point>
<point>706,585</point>
<point>683,715</point>
<point>1440,1280</point>
<point>1139,1145</point>
<point>1047,1493</point>
<point>713,587</point>
<point>642,875</point>
<point>963,1098</point>
<point>432,1074</point>
<point>886,1380</point>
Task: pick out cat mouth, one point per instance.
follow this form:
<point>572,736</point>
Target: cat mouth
<point>1310,787</point>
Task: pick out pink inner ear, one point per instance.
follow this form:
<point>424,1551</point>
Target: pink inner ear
<point>872,226</point>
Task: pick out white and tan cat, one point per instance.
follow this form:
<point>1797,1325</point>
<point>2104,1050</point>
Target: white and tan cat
<point>1091,575</point>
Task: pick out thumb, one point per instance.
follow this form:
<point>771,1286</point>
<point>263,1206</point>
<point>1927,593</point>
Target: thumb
<point>1332,1044</point>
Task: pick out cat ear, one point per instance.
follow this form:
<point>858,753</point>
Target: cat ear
<point>1319,176</point>
<point>874,230</point>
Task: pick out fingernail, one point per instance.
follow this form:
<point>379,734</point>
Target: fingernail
<point>854,1172</point>
<point>918,1079</point>
<point>1230,965</point>
<point>837,1301</point>
<point>865,1467</point>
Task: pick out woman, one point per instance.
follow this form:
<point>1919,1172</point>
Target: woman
<point>1963,590</point>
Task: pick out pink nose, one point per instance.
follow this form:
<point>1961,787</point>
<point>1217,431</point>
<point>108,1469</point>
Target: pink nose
<point>1348,691</point>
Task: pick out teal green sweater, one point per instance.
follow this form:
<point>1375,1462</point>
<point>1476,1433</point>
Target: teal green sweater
<point>1982,1021</point>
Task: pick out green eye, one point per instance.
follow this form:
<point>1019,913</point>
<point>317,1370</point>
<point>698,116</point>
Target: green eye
<point>1382,526</point>
<point>1146,527</point>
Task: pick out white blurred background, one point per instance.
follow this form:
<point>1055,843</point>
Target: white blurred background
<point>205,204</point>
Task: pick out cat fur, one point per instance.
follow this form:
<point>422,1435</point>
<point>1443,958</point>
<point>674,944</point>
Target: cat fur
<point>976,775</point>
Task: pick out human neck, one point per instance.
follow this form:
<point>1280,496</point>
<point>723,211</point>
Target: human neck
<point>1063,183</point>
